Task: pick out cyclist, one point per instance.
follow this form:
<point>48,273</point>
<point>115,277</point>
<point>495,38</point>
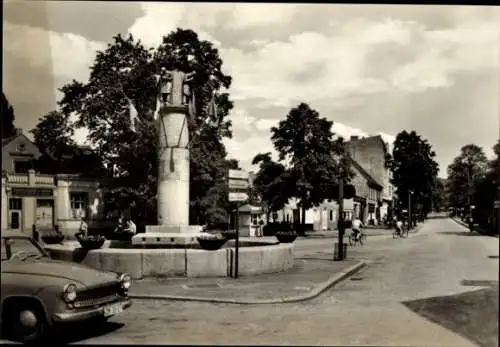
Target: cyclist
<point>356,228</point>
<point>470,222</point>
<point>399,227</point>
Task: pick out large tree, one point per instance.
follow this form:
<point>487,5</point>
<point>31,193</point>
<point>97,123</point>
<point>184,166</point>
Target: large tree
<point>305,142</point>
<point>7,115</point>
<point>271,183</point>
<point>53,135</point>
<point>413,169</point>
<point>468,168</point>
<point>125,71</point>
<point>438,194</point>
<point>486,191</point>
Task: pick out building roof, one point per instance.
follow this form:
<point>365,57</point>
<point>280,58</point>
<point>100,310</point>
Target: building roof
<point>373,139</point>
<point>371,181</point>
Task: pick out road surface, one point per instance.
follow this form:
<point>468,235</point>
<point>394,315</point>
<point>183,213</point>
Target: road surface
<point>439,287</point>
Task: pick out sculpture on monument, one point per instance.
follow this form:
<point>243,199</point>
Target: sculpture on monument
<point>175,103</point>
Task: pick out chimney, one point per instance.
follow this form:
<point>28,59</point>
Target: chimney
<point>354,137</point>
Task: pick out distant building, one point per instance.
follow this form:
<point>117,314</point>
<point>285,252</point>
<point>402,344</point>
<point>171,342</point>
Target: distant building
<point>30,198</point>
<point>374,192</point>
<point>369,153</point>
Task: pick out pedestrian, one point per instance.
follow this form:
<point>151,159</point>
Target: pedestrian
<point>130,227</point>
<point>83,229</point>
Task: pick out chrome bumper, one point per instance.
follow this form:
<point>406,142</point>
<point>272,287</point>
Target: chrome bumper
<point>85,314</point>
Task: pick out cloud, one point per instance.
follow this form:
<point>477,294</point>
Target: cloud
<point>246,16</point>
<point>332,64</point>
<point>67,55</point>
<point>370,69</point>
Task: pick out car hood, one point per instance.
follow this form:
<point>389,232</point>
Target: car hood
<point>77,273</point>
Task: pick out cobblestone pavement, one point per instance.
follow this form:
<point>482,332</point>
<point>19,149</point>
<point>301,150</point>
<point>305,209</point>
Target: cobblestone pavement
<point>427,290</point>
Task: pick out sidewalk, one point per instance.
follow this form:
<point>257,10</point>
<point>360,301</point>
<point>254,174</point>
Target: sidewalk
<point>477,228</point>
<point>306,280</point>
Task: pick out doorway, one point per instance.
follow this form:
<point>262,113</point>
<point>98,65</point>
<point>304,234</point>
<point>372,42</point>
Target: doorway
<point>15,213</point>
<point>15,220</point>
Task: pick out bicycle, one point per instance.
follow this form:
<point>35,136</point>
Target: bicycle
<point>403,233</point>
<point>353,240</point>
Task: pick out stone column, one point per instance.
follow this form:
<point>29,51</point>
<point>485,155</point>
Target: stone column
<point>62,200</point>
<point>5,205</point>
<point>31,178</point>
<point>173,160</point>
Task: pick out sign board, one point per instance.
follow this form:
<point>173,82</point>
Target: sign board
<point>238,197</point>
<point>238,184</point>
<point>238,174</point>
<point>33,192</point>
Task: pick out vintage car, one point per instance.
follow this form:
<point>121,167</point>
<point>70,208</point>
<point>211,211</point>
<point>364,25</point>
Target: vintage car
<point>38,293</point>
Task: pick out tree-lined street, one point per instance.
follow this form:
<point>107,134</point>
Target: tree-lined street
<point>393,301</point>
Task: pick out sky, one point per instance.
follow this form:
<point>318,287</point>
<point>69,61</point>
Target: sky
<point>371,69</point>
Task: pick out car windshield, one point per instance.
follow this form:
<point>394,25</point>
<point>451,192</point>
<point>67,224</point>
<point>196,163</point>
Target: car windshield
<point>21,249</point>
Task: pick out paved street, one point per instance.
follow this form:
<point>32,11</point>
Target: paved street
<point>393,301</point>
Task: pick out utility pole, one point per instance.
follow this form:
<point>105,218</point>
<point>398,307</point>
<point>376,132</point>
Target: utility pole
<point>341,224</point>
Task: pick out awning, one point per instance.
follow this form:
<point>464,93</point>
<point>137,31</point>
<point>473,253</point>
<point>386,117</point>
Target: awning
<point>250,209</point>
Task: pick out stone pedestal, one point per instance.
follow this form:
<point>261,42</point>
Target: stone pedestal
<point>164,235</point>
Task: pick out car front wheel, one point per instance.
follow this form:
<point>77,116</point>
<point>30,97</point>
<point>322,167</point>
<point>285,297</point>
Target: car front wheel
<point>26,322</point>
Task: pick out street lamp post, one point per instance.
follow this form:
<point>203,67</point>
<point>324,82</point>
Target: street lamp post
<point>410,192</point>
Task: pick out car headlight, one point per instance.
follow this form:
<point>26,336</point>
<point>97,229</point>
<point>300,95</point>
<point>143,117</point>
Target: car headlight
<point>69,292</point>
<point>125,281</point>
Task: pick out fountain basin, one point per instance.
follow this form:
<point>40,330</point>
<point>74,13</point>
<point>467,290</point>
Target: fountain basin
<point>255,257</point>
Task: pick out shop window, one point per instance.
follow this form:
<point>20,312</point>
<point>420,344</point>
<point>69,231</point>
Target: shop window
<point>79,205</point>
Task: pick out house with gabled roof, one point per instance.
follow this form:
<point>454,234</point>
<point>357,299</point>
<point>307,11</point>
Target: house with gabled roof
<point>46,199</point>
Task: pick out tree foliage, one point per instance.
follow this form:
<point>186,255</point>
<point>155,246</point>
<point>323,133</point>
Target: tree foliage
<point>309,159</point>
<point>413,169</point>
<point>60,154</point>
<point>53,134</point>
<point>468,168</point>
<point>486,190</point>
<point>271,183</point>
<point>438,194</point>
<point>7,115</point>
<point>126,70</point>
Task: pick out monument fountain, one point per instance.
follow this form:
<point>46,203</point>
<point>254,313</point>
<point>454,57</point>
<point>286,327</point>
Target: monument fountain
<point>167,249</point>
<point>175,102</point>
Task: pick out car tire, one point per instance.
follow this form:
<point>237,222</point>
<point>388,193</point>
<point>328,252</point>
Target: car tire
<point>33,328</point>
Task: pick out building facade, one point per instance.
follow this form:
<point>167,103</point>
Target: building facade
<point>30,198</point>
<point>370,153</point>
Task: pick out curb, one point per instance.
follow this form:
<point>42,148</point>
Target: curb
<point>482,233</point>
<point>333,280</point>
<point>334,236</point>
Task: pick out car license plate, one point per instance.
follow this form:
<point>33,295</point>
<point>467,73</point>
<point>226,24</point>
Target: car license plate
<point>111,310</point>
